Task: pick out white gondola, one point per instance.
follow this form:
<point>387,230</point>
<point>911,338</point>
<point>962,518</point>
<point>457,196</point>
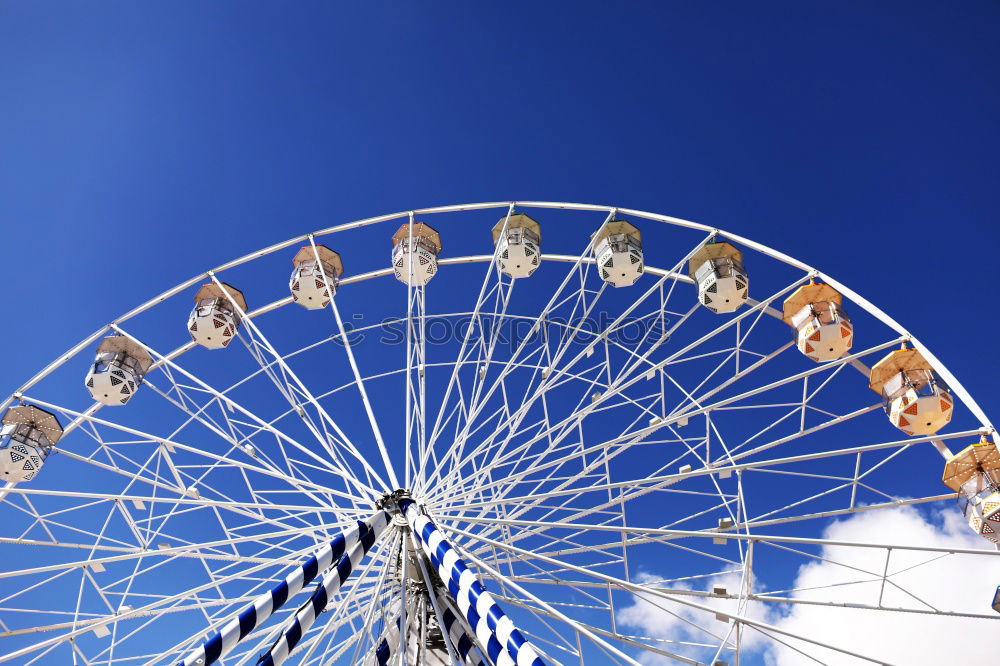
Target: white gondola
<point>415,249</point>
<point>519,249</point>
<point>117,372</point>
<point>974,473</point>
<point>214,319</point>
<point>26,437</point>
<point>915,398</point>
<point>823,331</point>
<point>717,269</point>
<point>618,251</point>
<point>314,283</point>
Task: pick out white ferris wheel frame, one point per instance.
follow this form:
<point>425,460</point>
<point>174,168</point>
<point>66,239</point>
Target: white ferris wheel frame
<point>414,358</point>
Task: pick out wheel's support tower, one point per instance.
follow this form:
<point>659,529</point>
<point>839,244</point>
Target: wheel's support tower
<point>494,630</point>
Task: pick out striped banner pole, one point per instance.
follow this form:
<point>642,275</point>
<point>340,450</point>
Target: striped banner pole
<point>505,645</point>
<point>461,638</point>
<point>266,604</point>
<point>331,583</point>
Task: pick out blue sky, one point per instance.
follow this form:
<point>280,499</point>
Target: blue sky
<point>143,143</point>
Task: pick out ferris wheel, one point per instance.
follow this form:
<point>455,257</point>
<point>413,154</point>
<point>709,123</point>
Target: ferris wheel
<point>617,445</point>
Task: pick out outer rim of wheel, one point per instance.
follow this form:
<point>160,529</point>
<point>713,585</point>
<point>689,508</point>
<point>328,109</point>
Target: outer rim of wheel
<point>957,388</point>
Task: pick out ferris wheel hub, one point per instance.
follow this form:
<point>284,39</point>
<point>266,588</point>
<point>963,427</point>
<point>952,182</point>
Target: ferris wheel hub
<point>390,504</point>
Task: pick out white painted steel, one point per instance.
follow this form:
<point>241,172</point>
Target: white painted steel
<point>535,504</point>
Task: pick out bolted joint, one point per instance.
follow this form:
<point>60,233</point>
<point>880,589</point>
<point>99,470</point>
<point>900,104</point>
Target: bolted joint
<point>390,501</point>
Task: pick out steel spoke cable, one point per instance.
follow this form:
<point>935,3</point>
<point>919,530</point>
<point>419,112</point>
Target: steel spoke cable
<point>491,269</point>
<point>631,438</point>
<point>324,416</point>
<point>359,382</point>
<point>579,261</point>
<point>232,404</point>
<point>617,387</point>
<point>558,370</point>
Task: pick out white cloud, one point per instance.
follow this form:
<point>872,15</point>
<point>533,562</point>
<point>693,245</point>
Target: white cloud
<point>954,582</point>
<point>682,628</point>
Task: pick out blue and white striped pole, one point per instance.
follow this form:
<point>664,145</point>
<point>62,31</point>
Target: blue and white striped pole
<point>505,645</point>
<point>457,631</point>
<point>266,604</point>
<point>331,583</point>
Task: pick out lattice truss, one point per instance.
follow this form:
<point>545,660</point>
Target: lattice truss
<point>583,447</point>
